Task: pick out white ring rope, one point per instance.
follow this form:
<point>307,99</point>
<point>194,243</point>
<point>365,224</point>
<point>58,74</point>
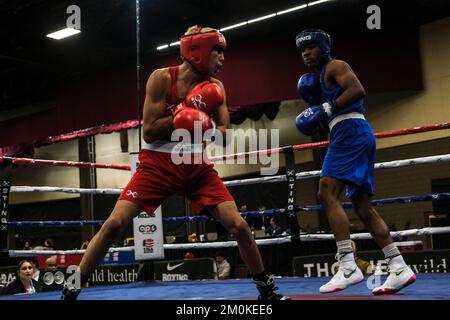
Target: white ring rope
<point>316,173</point>
<point>271,179</point>
<point>227,244</point>
<point>65,190</point>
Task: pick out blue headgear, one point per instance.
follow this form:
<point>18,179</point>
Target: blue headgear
<point>318,37</point>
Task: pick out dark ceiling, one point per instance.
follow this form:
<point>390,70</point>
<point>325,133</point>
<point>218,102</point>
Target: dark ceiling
<point>32,66</point>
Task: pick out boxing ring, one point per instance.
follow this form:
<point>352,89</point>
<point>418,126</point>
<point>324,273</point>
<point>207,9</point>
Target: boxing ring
<point>429,286</point>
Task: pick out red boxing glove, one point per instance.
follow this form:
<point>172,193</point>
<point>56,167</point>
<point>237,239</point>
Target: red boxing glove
<point>186,118</point>
<point>206,96</point>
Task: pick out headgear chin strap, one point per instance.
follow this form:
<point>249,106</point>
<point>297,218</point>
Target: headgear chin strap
<point>318,37</point>
<point>196,48</point>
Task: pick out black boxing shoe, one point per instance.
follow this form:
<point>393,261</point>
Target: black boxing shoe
<point>69,293</point>
<point>267,289</point>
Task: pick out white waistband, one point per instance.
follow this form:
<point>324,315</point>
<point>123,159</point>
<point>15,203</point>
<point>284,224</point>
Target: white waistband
<point>173,147</point>
<point>345,116</point>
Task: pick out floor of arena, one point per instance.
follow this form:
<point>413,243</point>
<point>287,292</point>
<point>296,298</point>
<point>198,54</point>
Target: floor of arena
<point>429,286</point>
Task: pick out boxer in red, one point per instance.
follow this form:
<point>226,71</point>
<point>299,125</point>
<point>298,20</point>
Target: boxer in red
<point>175,97</point>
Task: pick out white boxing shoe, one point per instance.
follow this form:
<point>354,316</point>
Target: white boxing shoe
<point>342,280</point>
<point>398,279</point>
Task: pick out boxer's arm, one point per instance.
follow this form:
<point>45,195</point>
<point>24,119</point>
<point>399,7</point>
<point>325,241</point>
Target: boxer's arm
<point>221,116</point>
<point>344,76</point>
<point>156,124</point>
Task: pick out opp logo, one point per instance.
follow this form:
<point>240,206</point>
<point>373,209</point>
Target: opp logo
<point>148,228</point>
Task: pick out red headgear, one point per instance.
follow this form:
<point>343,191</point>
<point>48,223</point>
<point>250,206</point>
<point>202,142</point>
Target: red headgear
<point>197,47</point>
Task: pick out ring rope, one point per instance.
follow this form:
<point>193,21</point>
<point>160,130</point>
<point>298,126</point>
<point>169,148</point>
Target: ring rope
<point>379,135</point>
<point>271,179</point>
<point>65,190</point>
<point>227,244</point>
<point>311,208</point>
<point>321,144</point>
<point>316,173</point>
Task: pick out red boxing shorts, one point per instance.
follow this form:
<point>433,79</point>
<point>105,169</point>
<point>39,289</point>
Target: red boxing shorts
<point>158,178</point>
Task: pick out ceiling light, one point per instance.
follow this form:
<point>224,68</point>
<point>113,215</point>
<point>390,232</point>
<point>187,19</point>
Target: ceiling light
<point>291,9</point>
<point>165,46</point>
<point>234,26</point>
<point>317,2</point>
<point>262,18</point>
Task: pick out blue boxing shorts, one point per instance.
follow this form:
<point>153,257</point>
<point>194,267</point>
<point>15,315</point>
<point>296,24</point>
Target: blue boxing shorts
<point>351,156</point>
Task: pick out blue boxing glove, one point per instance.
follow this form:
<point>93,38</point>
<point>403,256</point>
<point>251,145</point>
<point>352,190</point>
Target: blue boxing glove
<point>308,121</point>
<point>308,87</point>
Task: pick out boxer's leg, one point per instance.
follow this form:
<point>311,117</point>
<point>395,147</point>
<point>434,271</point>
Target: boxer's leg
<point>371,219</point>
<point>123,212</point>
<point>227,213</point>
<point>400,274</point>
<point>348,274</point>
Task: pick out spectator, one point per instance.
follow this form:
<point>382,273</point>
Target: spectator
<point>27,245</point>
<point>24,282</point>
<point>265,220</point>
<point>223,267</point>
<point>51,263</point>
<point>192,237</point>
<point>189,256</point>
<point>48,244</point>
<point>274,229</point>
<point>36,270</point>
<point>253,222</point>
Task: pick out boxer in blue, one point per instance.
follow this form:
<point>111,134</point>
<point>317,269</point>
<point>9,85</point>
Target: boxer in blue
<point>336,98</point>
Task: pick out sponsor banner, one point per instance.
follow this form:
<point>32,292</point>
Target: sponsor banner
<point>419,261</point>
<point>7,274</point>
<point>147,229</point>
<point>114,274</point>
<point>54,280</point>
<point>180,270</point>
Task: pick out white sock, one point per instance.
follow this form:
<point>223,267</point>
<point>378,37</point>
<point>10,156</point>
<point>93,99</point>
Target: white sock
<point>391,250</point>
<point>393,254</point>
<point>345,254</point>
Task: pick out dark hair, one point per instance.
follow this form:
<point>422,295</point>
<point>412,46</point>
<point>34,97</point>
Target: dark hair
<point>220,253</point>
<point>49,241</point>
<point>22,262</point>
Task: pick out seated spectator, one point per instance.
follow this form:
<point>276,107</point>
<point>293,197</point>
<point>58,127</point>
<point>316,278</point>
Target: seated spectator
<point>50,280</point>
<point>36,270</point>
<point>48,244</point>
<point>24,282</point>
<point>223,267</point>
<point>274,229</point>
<point>51,264</point>
<point>192,237</point>
<point>27,245</point>
<point>189,256</point>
